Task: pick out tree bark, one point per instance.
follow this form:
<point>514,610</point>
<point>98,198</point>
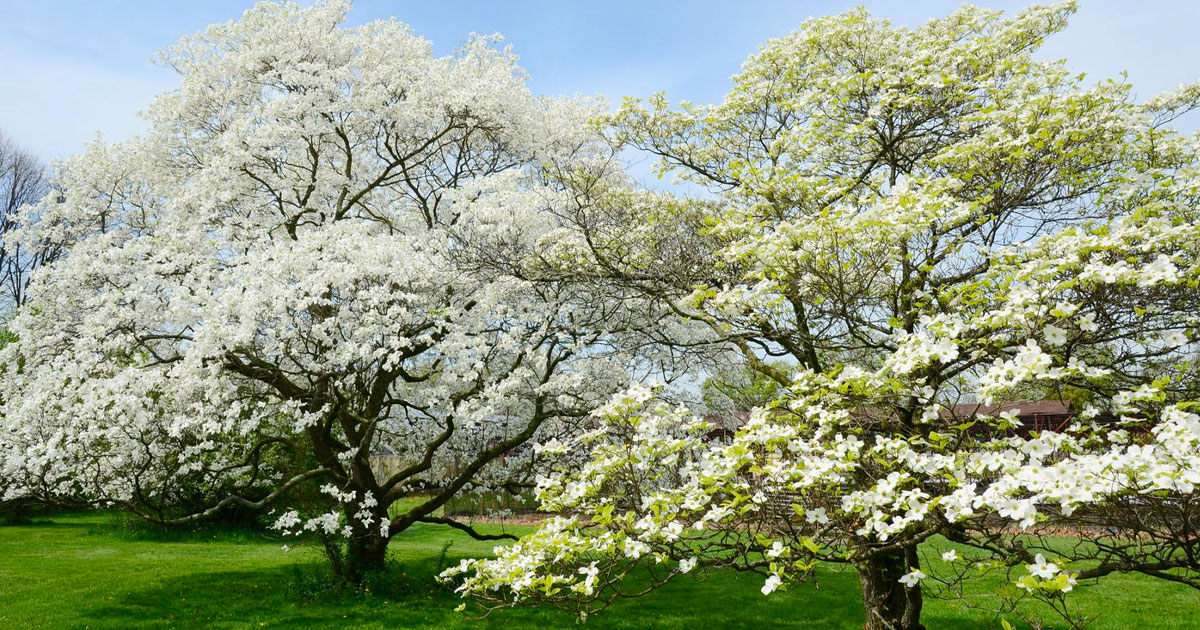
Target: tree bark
<point>365,553</point>
<point>890,605</point>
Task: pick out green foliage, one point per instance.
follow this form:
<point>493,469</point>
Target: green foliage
<point>17,512</point>
<point>741,389</point>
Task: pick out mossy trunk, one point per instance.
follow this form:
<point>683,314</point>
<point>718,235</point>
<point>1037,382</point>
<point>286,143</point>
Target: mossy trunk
<point>890,605</point>
<point>360,556</point>
<point>365,554</point>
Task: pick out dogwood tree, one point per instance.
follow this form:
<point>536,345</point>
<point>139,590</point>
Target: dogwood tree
<point>921,223</point>
<point>310,263</point>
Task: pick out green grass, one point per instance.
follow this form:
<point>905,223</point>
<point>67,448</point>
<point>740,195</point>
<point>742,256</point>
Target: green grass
<point>85,571</point>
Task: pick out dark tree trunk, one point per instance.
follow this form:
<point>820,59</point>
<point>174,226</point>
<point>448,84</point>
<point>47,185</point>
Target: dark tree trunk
<point>365,553</point>
<point>888,603</point>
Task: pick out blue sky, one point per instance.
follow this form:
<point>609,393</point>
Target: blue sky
<point>71,69</point>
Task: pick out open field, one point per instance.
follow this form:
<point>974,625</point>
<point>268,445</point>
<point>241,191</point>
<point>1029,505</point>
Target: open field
<point>81,571</point>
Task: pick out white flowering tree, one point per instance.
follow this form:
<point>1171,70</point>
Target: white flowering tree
<point>920,223</point>
<point>310,262</point>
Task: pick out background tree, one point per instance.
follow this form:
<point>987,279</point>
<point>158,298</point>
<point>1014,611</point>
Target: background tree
<point>23,181</point>
<point>310,260</point>
<point>739,389</point>
<point>913,218</point>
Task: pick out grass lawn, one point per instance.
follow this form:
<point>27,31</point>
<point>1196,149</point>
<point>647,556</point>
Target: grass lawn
<point>79,571</point>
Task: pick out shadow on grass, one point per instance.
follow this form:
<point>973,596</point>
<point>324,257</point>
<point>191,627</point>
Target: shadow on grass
<point>223,599</point>
<point>48,524</point>
<point>286,597</point>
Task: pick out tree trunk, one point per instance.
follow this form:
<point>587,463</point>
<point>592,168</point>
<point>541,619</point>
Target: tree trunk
<point>365,553</point>
<point>888,603</point>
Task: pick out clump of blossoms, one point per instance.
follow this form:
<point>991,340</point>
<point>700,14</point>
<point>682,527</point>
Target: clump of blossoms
<point>927,227</point>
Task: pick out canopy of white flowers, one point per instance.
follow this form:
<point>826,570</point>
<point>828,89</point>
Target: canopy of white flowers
<point>312,258</point>
<point>910,219</point>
